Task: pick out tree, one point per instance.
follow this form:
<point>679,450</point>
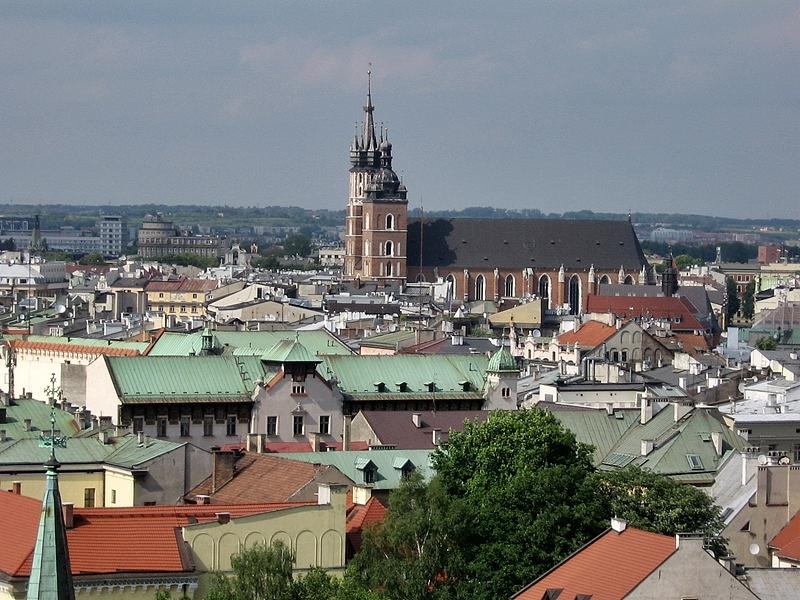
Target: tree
<point>414,553</point>
<point>297,245</point>
<point>687,260</point>
<point>259,573</point>
<point>748,300</point>
<point>657,503</point>
<point>316,585</point>
<point>93,258</point>
<point>732,306</point>
<point>522,480</point>
<point>766,343</point>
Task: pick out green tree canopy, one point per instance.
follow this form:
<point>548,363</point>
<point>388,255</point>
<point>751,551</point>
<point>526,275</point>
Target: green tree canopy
<point>259,573</point>
<point>93,258</point>
<point>297,245</point>
<point>766,343</point>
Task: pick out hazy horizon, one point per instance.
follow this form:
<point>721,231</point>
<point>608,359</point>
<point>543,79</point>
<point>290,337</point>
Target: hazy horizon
<point>676,107</point>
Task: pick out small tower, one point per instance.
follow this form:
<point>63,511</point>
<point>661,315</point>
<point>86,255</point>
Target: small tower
<point>51,574</point>
<point>669,277</point>
<point>502,376</point>
<point>207,342</point>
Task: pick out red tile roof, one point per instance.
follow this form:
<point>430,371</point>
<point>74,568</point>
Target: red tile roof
<point>151,540</point>
<point>590,335</point>
<point>73,348</point>
<point>287,480</point>
<point>182,285</point>
<point>692,343</point>
<point>607,568</point>
<point>360,517</point>
<point>787,542</point>
<point>678,310</point>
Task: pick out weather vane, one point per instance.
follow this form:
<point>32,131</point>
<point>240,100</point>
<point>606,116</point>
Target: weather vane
<point>52,441</point>
<point>53,391</point>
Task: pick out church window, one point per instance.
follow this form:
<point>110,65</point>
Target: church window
<point>389,248</point>
<point>480,288</point>
<point>605,280</point>
<point>574,295</point>
<point>388,269</point>
<point>389,221</point>
<point>510,286</point>
<point>629,280</point>
<point>420,278</point>
<point>451,286</point>
<point>544,290</point>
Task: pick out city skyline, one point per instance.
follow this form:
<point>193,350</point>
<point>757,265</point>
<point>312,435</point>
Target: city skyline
<point>677,108</point>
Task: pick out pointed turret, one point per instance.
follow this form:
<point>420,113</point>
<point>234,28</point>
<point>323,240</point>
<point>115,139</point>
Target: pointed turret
<point>51,574</point>
<point>370,141</point>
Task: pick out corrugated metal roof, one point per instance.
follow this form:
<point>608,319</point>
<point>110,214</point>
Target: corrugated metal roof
<point>359,374</point>
<point>193,377</point>
<point>598,428</point>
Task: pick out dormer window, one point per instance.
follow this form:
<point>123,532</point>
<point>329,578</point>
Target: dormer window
<point>380,386</point>
<point>431,386</point>
<point>369,475</point>
<point>402,386</point>
<point>465,386</point>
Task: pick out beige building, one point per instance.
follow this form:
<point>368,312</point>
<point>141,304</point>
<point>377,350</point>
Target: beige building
<point>182,299</point>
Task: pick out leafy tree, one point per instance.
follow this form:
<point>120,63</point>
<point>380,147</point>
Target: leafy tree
<point>93,258</point>
<point>766,343</point>
<point>316,585</point>
<point>191,260</point>
<point>657,503</point>
<point>8,244</point>
<point>414,553</point>
<point>271,262</point>
<point>297,245</point>
<point>521,478</point>
<point>748,300</point>
<point>259,573</point>
<point>687,260</point>
<point>733,299</point>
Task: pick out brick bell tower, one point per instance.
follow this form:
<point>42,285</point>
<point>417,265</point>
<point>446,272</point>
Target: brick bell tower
<point>376,223</point>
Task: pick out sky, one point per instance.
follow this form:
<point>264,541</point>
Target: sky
<point>653,106</point>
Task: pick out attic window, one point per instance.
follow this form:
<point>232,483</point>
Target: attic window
<point>706,437</point>
<point>369,475</point>
<point>379,386</point>
<point>694,462</point>
<point>402,386</point>
<point>465,385</point>
<point>431,386</point>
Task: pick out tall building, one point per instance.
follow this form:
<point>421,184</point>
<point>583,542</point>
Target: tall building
<point>377,207</point>
<point>159,238</point>
<point>113,235</point>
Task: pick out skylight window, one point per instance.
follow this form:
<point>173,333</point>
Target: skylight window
<point>694,462</point>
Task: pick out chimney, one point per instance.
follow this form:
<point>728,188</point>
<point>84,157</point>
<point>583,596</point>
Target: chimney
<point>647,447</point>
<point>610,410</point>
<point>103,437</point>
<point>2,435</point>
<point>647,411</point>
<point>140,438</point>
<point>2,414</point>
<point>67,509</point>
<point>203,499</point>
<point>16,487</point>
<point>314,441</point>
<point>323,493</point>
<point>618,525</point>
<point>680,410</point>
<point>682,382</point>
<point>27,424</point>
<point>255,443</point>
<point>437,437</point>
<point>223,518</point>
<point>348,420</point>
<point>416,418</point>
<point>716,439</point>
<point>223,468</point>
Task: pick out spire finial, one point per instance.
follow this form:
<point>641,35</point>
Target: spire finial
<point>369,81</point>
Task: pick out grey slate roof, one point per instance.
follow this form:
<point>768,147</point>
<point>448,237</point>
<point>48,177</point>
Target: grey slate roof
<point>521,243</point>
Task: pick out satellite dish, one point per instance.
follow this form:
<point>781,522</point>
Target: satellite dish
<point>754,549</point>
<point>784,460</point>
<point>762,460</point>
<point>536,333</point>
<point>60,309</point>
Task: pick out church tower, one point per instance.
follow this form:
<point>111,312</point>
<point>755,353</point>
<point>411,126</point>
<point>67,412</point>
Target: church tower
<point>377,208</point>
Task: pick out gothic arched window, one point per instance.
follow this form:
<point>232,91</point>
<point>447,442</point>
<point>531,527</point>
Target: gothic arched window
<point>420,278</point>
<point>389,221</point>
<point>451,281</point>
<point>388,269</point>
<point>480,288</point>
<point>544,290</point>
<point>389,247</point>
<point>605,280</point>
<point>629,280</point>
<point>510,286</point>
<point>574,295</point>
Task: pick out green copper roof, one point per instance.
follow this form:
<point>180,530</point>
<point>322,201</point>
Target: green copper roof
<point>317,342</point>
<point>502,362</point>
<point>123,451</point>
<point>195,378</point>
<point>597,428</point>
<point>388,464</point>
<point>408,374</point>
<point>39,415</point>
<point>289,351</point>
<point>51,575</point>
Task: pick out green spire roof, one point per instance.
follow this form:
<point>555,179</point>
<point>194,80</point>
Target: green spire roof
<point>502,362</point>
<point>51,575</point>
<point>290,351</point>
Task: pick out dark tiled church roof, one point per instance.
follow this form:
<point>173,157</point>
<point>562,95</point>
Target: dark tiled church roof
<point>518,243</point>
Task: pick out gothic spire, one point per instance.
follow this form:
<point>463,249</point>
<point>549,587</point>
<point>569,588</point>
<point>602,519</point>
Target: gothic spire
<point>370,141</point>
<point>51,575</point>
